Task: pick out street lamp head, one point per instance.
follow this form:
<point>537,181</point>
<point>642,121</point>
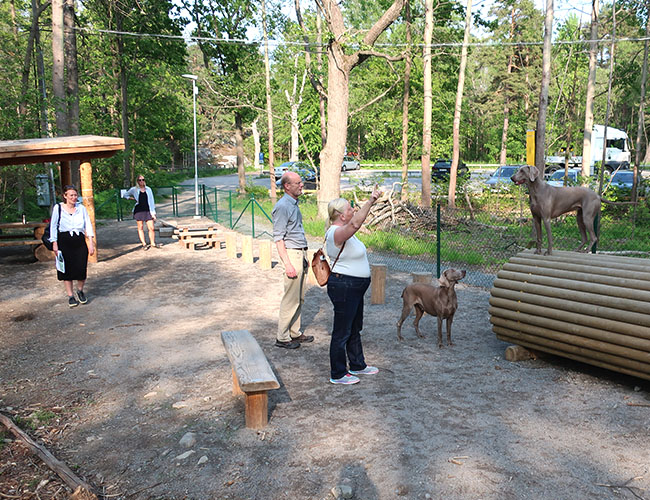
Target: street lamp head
<point>192,77</point>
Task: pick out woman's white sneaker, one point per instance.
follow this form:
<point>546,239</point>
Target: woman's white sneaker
<point>368,370</point>
<point>346,379</point>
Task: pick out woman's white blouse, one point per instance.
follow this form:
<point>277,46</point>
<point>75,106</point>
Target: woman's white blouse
<point>78,222</point>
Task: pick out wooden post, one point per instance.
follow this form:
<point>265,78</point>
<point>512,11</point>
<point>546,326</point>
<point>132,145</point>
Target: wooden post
<point>86,174</point>
<point>518,353</point>
<point>247,249</point>
<point>231,245</point>
<point>378,284</point>
<point>66,174</point>
<point>257,409</point>
<point>419,277</point>
<point>265,254</point>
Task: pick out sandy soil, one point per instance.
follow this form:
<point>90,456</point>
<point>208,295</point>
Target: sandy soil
<point>142,364</point>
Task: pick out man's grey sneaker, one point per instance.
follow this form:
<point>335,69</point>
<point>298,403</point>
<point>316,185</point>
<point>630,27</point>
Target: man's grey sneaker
<point>346,379</point>
<point>72,302</point>
<point>82,297</point>
<point>292,344</point>
<point>368,370</point>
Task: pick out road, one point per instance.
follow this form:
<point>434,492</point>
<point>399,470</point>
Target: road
<point>350,179</point>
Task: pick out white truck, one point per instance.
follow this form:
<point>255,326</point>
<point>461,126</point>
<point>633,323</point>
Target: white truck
<point>617,155</point>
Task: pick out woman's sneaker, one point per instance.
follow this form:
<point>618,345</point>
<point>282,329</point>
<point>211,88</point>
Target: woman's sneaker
<point>346,379</point>
<point>82,297</point>
<point>368,370</point>
<point>72,302</point>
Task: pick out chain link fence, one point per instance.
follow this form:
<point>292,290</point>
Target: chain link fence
<point>482,232</point>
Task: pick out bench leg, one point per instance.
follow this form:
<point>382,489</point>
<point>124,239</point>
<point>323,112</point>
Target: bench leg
<point>236,390</point>
<point>257,409</point>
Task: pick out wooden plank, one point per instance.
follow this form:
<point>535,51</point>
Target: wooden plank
<point>79,147</point>
<point>248,361</point>
<point>257,410</point>
<point>191,232</point>
<point>265,254</point>
<point>13,243</point>
<point>378,284</point>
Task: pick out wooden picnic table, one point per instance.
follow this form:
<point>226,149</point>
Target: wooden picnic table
<point>31,235</point>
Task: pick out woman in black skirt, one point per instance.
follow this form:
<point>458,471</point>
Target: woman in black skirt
<point>73,224</point>
<point>144,211</point>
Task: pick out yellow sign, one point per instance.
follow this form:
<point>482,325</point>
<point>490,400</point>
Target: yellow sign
<point>530,147</point>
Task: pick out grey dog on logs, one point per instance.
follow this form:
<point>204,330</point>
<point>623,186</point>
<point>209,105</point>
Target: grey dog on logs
<point>437,301</point>
<point>548,202</point>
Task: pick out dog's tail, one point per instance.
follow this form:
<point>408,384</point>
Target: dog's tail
<point>609,202</point>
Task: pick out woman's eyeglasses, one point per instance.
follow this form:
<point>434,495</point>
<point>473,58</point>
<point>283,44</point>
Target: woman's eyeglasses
<point>140,180</point>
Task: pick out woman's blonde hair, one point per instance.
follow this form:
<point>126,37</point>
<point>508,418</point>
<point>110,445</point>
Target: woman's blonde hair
<point>334,209</point>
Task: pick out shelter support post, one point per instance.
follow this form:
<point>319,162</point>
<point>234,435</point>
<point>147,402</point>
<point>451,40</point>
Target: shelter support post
<point>86,174</point>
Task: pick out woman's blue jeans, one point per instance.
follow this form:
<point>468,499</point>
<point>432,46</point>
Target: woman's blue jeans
<point>346,294</point>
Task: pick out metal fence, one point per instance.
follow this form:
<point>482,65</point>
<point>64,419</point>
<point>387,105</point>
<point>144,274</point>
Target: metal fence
<point>479,235</point>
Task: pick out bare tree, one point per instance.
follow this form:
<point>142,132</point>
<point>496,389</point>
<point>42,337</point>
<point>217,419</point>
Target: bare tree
<point>405,104</point>
<point>295,100</point>
<point>641,117</point>
<point>425,196</point>
<point>540,132</point>
<point>609,99</point>
<point>506,95</point>
<point>269,111</point>
<point>455,157</point>
<point>340,64</point>
<point>72,79</point>
<point>591,85</point>
<point>256,140</point>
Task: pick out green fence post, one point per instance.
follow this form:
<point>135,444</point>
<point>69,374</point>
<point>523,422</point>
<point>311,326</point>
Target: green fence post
<point>253,213</point>
<point>174,201</point>
<point>230,206</point>
<point>438,240</point>
<point>117,205</point>
<point>216,205</point>
<point>203,200</point>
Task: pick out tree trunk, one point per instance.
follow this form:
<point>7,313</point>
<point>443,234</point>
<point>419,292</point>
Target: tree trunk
<point>258,149</point>
<point>405,105</point>
<point>269,111</point>
<point>506,101</point>
<point>295,100</point>
<point>58,77</point>
<point>239,147</point>
<point>425,197</point>
<point>591,86</point>
<point>609,101</point>
<point>457,109</point>
<point>331,156</point>
<point>27,64</point>
<point>319,66</point>
<point>540,132</point>
<point>641,118</point>
<point>72,77</point>
<point>124,98</point>
<point>45,128</point>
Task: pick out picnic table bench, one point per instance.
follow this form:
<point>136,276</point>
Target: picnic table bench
<point>251,375</point>
<point>189,237</point>
<point>27,233</point>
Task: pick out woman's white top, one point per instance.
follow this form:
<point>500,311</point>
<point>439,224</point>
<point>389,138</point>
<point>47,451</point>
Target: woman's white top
<point>354,258</point>
<point>78,222</point>
<point>134,193</point>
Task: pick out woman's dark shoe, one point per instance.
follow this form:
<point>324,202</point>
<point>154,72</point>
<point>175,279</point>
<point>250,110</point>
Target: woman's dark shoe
<point>72,302</point>
<point>82,297</point>
<point>146,247</point>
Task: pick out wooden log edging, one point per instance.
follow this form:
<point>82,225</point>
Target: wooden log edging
<point>590,308</point>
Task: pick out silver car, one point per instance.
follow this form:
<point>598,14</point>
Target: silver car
<point>350,163</point>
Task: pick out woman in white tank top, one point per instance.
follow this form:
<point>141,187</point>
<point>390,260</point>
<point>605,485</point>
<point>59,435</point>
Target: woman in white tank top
<point>347,284</point>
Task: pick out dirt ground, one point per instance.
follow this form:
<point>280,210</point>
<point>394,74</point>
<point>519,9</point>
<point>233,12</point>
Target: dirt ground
<point>142,364</point>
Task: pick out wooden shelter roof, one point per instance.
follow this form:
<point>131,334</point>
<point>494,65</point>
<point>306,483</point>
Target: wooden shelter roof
<point>55,149</point>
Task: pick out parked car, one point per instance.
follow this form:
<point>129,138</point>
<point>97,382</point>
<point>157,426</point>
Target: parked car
<point>557,177</point>
<point>350,163</point>
<point>290,165</point>
<point>442,168</point>
<point>306,173</point>
<point>623,180</point>
<point>501,175</point>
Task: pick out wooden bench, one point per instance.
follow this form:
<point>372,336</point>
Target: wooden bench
<point>251,375</point>
<point>188,237</point>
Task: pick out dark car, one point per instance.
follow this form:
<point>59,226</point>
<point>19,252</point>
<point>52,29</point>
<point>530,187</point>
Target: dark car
<point>442,168</point>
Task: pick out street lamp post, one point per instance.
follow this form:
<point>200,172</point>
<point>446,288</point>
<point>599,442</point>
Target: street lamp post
<point>195,91</point>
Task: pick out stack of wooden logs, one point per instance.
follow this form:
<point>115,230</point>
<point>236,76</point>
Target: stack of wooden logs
<point>587,307</point>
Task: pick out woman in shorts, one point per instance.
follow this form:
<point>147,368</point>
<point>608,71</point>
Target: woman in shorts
<point>144,211</point>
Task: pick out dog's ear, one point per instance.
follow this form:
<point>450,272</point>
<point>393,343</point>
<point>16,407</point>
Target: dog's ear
<point>443,281</point>
<point>533,173</point>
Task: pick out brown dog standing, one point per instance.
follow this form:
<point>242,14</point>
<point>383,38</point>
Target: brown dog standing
<point>437,301</point>
<point>548,202</point>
